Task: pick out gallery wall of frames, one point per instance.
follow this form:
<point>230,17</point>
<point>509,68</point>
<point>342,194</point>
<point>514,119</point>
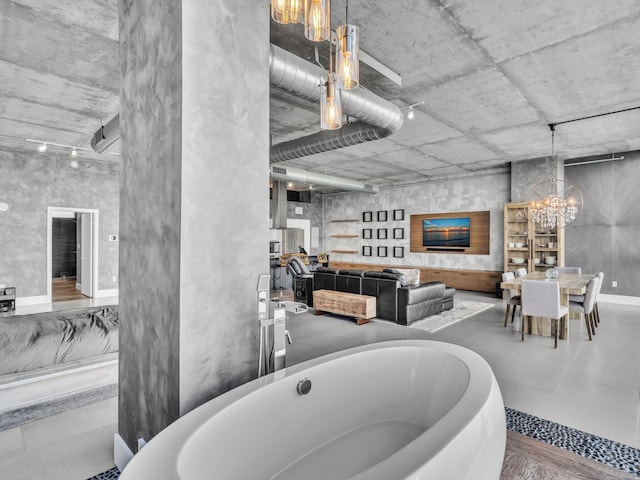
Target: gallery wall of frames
<point>383,225</point>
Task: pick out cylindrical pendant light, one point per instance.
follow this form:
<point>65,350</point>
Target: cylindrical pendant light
<point>286,11</point>
<point>330,105</point>
<point>317,20</point>
<point>347,57</point>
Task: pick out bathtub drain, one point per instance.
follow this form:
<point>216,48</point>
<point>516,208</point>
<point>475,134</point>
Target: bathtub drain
<point>304,386</point>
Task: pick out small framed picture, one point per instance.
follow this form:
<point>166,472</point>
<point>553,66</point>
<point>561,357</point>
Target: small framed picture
<point>398,233</point>
<point>398,214</point>
<point>382,215</point>
<point>382,251</point>
<point>382,234</point>
<point>367,233</point>
<point>366,250</point>
<point>367,216</point>
<point>398,252</point>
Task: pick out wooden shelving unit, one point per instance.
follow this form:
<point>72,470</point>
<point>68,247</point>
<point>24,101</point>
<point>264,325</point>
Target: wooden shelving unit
<point>523,239</point>
<point>346,232</point>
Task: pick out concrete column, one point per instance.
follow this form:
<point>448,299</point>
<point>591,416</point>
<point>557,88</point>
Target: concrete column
<point>194,211</point>
<point>525,175</point>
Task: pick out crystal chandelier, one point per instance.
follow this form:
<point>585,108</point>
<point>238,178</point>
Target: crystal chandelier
<point>554,203</point>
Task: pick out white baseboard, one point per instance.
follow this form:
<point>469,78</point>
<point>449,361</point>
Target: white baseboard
<point>122,454</point>
<point>35,300</point>
<point>113,292</point>
<point>619,299</point>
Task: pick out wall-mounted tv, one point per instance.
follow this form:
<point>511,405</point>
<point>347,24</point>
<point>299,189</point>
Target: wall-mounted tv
<point>475,241</point>
<point>446,232</point>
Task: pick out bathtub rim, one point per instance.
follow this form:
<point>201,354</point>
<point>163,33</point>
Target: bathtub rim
<point>160,456</point>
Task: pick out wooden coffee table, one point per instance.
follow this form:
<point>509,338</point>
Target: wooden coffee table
<point>362,307</point>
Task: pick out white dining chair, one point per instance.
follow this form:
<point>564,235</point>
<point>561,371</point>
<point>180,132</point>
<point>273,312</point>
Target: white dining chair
<point>585,308</point>
<point>577,270</point>
<point>541,298</point>
<point>600,276</point>
<point>521,272</point>
<point>513,298</point>
<point>580,298</point>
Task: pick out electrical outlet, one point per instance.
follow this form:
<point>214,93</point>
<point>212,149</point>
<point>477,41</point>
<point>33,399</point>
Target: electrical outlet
<point>614,284</point>
<point>113,279</point>
<point>113,238</point>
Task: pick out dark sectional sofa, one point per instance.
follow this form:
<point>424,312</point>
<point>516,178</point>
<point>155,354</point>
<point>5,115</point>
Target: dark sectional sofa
<point>396,300</point>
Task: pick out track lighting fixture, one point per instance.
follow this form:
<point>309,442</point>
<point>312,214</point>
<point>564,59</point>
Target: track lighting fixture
<point>410,113</point>
<point>42,147</point>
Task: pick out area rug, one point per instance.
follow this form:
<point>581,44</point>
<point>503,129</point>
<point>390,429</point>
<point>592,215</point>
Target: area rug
<point>546,462</point>
<point>20,416</point>
<point>461,310</point>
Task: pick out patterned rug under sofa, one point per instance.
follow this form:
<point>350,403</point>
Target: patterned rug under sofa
<point>462,309</point>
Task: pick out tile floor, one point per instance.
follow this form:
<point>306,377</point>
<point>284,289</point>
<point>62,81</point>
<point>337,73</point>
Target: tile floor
<point>591,386</point>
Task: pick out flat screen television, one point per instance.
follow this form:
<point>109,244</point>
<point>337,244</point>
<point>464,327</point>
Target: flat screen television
<point>446,232</point>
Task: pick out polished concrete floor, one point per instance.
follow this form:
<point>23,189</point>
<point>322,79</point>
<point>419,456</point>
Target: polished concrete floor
<point>591,386</point>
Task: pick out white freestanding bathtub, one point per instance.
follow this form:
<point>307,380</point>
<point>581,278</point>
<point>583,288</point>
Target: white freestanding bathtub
<point>413,409</point>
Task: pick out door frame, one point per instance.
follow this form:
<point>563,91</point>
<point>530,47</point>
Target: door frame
<point>51,211</point>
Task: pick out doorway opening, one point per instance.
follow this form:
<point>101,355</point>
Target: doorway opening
<point>72,254</point>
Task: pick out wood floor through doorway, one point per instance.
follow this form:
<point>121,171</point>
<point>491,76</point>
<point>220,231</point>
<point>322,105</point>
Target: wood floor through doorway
<point>63,289</point>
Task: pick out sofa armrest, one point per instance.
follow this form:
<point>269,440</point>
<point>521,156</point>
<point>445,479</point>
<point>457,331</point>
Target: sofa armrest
<point>419,302</point>
<point>421,293</point>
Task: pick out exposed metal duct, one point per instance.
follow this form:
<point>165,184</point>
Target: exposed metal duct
<point>379,118</point>
<point>106,135</point>
<point>298,175</point>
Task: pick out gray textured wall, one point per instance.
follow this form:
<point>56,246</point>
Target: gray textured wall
<point>472,193</point>
<point>605,237</point>
<point>194,210</point>
<point>31,182</point>
<point>527,174</point>
<point>312,212</point>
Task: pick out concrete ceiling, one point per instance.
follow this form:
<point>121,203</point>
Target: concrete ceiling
<point>492,76</point>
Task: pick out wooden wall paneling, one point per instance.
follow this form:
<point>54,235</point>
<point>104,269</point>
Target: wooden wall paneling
<point>479,245</point>
<point>473,280</point>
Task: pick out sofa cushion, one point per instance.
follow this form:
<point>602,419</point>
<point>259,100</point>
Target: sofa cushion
<point>327,270</point>
<point>351,273</point>
<point>412,275</point>
<point>385,275</point>
<point>349,281</point>
<point>386,292</point>
<point>324,280</point>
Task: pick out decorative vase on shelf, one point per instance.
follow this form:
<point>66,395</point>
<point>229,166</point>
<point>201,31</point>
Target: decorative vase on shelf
<point>551,273</point>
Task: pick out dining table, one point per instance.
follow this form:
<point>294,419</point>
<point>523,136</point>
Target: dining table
<point>570,284</point>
